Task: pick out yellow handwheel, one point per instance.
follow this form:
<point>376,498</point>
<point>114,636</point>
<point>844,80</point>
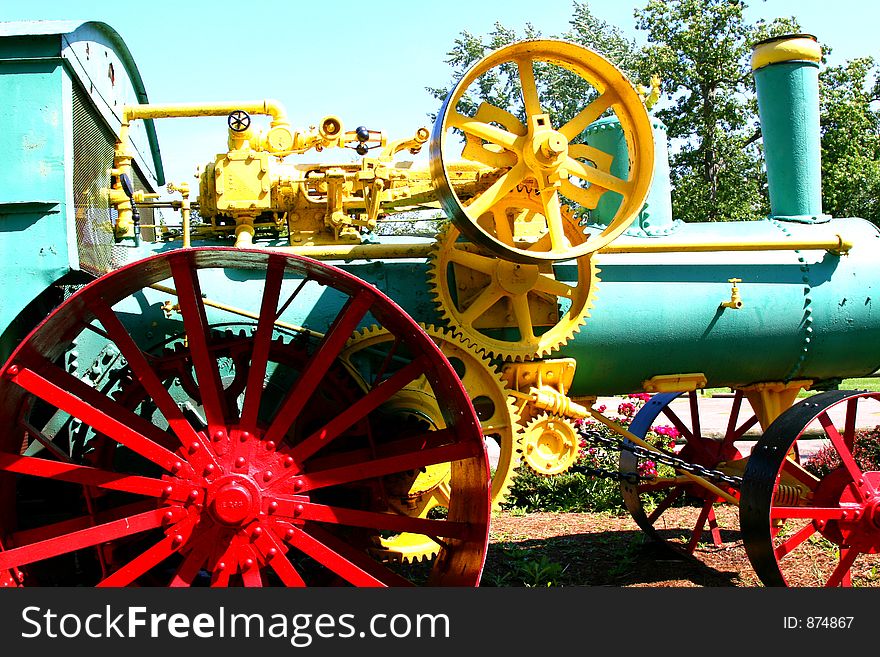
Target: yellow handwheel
<point>529,146</point>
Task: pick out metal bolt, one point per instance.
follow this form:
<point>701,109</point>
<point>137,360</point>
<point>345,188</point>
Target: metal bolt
<point>272,553</point>
<point>298,484</point>
<point>270,445</point>
<point>248,563</point>
<point>258,531</point>
<point>298,509</point>
<point>169,516</point>
<point>194,494</point>
<point>288,461</point>
<point>12,371</point>
<point>221,565</point>
<point>176,466</point>
<point>168,490</point>
<point>194,446</point>
<point>219,435</point>
<point>289,533</point>
<point>178,539</point>
<point>209,470</point>
<point>267,475</point>
<point>240,461</point>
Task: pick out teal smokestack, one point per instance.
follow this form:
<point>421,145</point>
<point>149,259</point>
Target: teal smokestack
<point>786,70</point>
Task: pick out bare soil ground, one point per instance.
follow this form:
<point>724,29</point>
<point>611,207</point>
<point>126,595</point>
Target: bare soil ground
<point>597,549</point>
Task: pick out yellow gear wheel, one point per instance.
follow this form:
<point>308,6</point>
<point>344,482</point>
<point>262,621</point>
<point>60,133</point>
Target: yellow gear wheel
<point>551,444</point>
<point>520,142</point>
<point>511,310</point>
<point>369,353</point>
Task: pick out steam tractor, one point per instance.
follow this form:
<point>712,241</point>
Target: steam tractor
<point>273,374</point>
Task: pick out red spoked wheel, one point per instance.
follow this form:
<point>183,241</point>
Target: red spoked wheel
<point>226,458</point>
<point>662,488</point>
<point>817,522</point>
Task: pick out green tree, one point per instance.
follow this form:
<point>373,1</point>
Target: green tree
<point>850,129</point>
<point>702,50</point>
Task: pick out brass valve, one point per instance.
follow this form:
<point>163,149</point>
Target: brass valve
<point>736,301</point>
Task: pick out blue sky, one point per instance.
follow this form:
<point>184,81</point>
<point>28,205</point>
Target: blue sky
<point>366,62</point>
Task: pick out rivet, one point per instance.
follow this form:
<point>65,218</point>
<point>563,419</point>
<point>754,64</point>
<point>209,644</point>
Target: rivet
<point>270,445</point>
<point>221,565</point>
<point>12,371</point>
<point>298,509</point>
<point>168,490</point>
<point>176,466</point>
<point>288,461</point>
<point>298,484</point>
<point>194,446</point>
<point>273,506</point>
<point>248,563</point>
<point>239,462</point>
<point>178,539</point>
<point>272,552</point>
<point>219,435</point>
<point>169,516</point>
<point>267,475</point>
<point>194,494</point>
<point>258,531</point>
<point>289,533</point>
<point>209,469</point>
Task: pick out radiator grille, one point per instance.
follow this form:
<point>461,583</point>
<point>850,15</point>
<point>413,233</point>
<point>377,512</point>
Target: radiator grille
<point>92,160</point>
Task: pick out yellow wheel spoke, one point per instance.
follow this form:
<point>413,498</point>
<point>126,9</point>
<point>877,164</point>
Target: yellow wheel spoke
<point>597,177</point>
<point>588,198</point>
<point>587,115</point>
<point>506,183</point>
<point>484,131</point>
<point>529,88</point>
<point>553,214</point>
<point>475,261</point>
<point>556,288</point>
<point>523,316</point>
<point>485,300</point>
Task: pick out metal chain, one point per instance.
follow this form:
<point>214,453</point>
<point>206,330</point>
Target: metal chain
<point>617,444</point>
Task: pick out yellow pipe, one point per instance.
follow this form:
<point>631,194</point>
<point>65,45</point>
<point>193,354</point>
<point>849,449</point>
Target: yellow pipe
<point>242,312</point>
<point>360,251</point>
<point>422,250</point>
<point>836,244</point>
<point>616,428</point>
<point>267,107</point>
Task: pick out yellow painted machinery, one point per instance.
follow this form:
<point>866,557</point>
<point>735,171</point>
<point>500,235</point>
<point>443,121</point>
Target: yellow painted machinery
<point>270,381</point>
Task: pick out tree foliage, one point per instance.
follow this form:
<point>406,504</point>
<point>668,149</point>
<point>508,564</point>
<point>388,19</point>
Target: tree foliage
<point>850,128</point>
<point>701,50</point>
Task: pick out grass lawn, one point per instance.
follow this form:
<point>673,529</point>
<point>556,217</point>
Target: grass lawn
<point>869,383</point>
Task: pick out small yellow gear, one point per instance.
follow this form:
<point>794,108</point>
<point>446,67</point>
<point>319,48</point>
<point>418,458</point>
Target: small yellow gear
<point>551,444</point>
<point>497,304</point>
<point>368,352</point>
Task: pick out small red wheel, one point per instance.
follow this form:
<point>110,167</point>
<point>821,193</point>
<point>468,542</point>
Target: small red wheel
<point>649,500</point>
<point>822,508</point>
<point>188,456</point>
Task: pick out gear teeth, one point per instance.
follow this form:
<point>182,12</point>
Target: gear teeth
<point>492,348</point>
<point>539,456</point>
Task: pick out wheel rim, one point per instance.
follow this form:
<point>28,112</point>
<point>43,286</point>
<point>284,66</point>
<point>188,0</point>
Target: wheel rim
<point>247,495</point>
<point>648,501</point>
<point>824,509</point>
<point>532,148</point>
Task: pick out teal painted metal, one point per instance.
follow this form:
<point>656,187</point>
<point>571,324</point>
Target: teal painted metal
<point>41,63</point>
<point>655,218</point>
<point>788,104</point>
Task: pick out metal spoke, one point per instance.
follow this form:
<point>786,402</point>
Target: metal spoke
<point>588,115</point>
<point>505,184</point>
<point>485,131</point>
<point>529,88</point>
<point>320,362</point>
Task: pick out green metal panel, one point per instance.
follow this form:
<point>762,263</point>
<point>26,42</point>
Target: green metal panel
<point>788,103</point>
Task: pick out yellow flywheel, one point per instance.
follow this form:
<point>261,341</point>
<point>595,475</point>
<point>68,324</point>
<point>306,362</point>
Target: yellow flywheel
<point>511,310</point>
<point>521,142</point>
<point>371,353</point>
<point>551,444</point>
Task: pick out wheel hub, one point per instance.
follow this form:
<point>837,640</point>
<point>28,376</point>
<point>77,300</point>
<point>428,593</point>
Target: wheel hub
<point>515,278</point>
<point>235,502</point>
